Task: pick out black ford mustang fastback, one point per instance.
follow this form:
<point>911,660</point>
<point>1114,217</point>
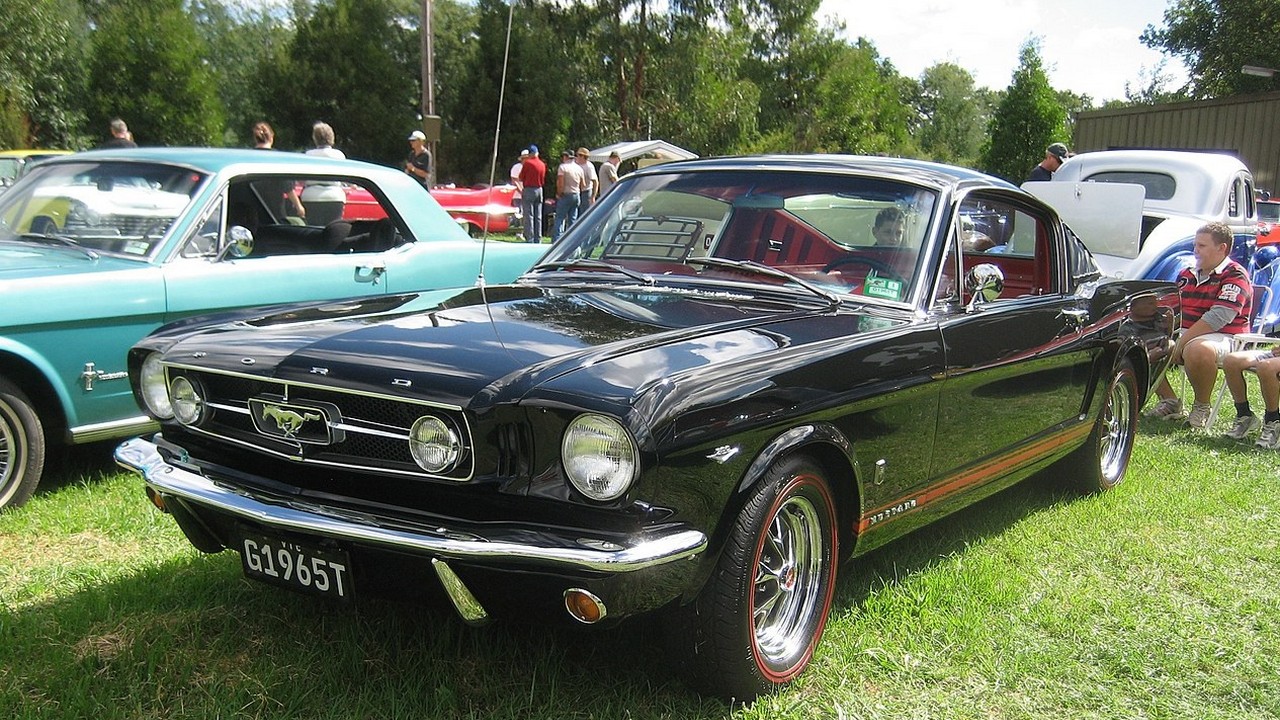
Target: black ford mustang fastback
<point>729,376</point>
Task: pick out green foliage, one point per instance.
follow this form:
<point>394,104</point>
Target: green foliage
<point>1215,38</point>
<point>352,64</point>
<point>1026,121</point>
<point>147,69</point>
<point>42,68</point>
<point>243,44</point>
<point>859,108</point>
<point>953,115</point>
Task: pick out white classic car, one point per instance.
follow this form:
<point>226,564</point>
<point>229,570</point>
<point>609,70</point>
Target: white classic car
<point>1178,192</point>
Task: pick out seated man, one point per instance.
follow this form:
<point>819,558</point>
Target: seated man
<point>1217,297</point>
<point>1267,364</point>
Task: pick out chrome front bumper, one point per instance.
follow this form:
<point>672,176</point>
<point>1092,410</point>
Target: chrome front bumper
<point>543,548</point>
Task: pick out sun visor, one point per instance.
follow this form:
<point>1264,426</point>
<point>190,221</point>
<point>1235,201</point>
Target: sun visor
<point>1106,216</point>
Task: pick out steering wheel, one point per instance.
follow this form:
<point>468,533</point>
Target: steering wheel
<point>882,269</point>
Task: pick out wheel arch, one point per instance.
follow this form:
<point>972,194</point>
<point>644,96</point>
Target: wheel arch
<point>831,449</point>
<point>34,376</point>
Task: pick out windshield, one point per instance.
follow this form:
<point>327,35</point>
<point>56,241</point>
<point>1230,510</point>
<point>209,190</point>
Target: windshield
<point>113,207</point>
<point>843,234</point>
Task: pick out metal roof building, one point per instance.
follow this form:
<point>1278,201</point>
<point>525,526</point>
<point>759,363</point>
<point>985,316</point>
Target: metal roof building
<point>1247,126</point>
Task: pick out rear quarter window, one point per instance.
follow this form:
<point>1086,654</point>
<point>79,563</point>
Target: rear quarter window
<point>1159,185</point>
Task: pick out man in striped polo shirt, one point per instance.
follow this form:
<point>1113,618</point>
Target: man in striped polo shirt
<point>1217,300</point>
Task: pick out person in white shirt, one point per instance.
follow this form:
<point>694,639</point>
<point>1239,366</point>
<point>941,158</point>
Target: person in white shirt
<point>515,169</point>
<point>590,181</point>
<point>609,173</point>
<point>569,183</point>
<point>323,200</point>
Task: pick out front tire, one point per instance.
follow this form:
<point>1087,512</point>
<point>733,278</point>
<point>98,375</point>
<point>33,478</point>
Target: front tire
<point>759,618</point>
<point>1104,458</point>
<point>21,447</point>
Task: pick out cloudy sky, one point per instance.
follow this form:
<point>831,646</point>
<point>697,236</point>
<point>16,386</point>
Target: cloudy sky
<point>1088,46</point>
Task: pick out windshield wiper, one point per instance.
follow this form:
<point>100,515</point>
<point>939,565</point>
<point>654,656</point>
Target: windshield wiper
<point>597,264</point>
<point>752,266</point>
<point>59,240</point>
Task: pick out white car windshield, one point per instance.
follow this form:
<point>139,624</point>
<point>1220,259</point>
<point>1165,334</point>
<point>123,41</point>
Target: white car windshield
<point>113,207</point>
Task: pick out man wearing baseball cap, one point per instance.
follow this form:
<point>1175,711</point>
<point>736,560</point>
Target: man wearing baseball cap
<point>1054,156</point>
<point>418,164</point>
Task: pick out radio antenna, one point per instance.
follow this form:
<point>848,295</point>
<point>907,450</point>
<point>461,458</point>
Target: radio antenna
<point>497,133</point>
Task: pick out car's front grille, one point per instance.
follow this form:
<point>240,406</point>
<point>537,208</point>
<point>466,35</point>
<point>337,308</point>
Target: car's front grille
<point>314,424</point>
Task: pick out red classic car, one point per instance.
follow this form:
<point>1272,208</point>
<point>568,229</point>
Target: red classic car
<point>1269,222</point>
<point>472,208</point>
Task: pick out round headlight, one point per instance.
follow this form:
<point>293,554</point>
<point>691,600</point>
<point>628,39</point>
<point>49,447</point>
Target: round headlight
<point>154,391</point>
<point>188,406</point>
<point>434,445</point>
<point>599,456</point>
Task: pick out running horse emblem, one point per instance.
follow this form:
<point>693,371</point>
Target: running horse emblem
<point>289,421</point>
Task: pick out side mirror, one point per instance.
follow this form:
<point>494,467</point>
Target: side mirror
<point>239,243</point>
<point>983,283</point>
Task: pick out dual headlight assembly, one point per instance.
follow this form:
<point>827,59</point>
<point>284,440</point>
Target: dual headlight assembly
<point>599,455</point>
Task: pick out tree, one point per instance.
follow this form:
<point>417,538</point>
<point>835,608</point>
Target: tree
<point>353,64</point>
<point>1025,122</point>
<point>859,107</point>
<point>243,46</point>
<point>147,68</point>
<point>42,70</point>
<point>1215,38</point>
<point>953,115</point>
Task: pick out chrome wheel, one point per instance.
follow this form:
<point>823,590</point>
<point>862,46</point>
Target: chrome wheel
<point>1117,430</point>
<point>758,620</point>
<point>1100,463</point>
<point>21,447</point>
<point>789,582</point>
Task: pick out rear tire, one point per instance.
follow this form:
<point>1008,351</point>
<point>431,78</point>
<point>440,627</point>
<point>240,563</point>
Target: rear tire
<point>1101,463</point>
<point>760,616</point>
<point>21,447</point>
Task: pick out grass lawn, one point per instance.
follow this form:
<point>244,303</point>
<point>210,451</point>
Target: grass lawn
<point>1158,600</point>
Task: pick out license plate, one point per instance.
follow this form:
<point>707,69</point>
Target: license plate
<point>297,567</point>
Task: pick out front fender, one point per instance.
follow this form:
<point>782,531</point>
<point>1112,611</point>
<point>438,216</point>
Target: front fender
<point>20,359</point>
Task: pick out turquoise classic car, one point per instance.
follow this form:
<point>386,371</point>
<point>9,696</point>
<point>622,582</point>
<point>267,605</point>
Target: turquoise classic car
<point>98,249</point>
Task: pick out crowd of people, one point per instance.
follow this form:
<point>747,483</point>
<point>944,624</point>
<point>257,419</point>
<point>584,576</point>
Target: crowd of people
<point>578,185</point>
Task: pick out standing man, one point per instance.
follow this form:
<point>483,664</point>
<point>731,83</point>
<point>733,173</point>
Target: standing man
<point>418,163</point>
<point>609,173</point>
<point>1217,299</point>
<point>515,169</point>
<point>120,136</point>
<point>590,182</point>
<point>533,175</point>
<point>569,182</point>
<point>1054,156</point>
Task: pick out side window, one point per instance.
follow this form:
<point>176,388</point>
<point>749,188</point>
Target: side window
<point>1012,237</point>
<point>1233,200</point>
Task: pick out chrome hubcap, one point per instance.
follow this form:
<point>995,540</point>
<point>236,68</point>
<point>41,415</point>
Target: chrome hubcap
<point>788,582</point>
<point>1115,432</point>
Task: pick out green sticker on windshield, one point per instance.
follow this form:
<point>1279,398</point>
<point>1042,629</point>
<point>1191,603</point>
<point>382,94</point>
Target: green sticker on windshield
<point>883,287</point>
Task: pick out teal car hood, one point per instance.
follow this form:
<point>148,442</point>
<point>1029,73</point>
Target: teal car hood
<point>22,260</point>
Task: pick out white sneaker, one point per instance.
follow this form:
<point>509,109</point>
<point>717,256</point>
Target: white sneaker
<point>1269,438</point>
<point>1166,409</point>
<point>1198,419</point>
<point>1243,425</point>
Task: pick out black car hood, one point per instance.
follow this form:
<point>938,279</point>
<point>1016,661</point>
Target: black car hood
<point>493,345</point>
